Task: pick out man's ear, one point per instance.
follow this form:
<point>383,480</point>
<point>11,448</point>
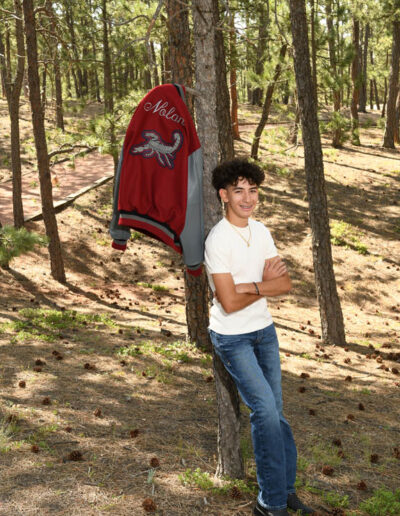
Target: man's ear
<point>223,194</point>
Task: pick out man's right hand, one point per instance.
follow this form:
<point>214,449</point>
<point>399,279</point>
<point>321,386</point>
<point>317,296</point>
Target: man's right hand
<point>274,268</point>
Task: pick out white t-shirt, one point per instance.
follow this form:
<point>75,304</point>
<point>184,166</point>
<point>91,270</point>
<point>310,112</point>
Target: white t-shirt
<point>226,251</point>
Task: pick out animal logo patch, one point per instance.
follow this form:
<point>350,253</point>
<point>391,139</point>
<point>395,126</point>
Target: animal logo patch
<point>154,146</point>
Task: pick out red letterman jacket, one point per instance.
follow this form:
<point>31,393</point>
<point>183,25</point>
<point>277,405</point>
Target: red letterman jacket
<point>158,188</point>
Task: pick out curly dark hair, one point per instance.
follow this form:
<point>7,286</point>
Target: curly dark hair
<point>230,172</point>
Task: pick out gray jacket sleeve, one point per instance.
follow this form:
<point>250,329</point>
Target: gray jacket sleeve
<point>119,234</point>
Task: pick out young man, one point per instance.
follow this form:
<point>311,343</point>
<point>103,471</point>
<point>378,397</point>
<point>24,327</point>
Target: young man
<point>244,268</point>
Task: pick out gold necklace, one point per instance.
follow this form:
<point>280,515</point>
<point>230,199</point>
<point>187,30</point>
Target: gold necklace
<point>240,234</point>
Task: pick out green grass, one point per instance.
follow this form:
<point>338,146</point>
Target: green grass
<point>46,325</point>
<point>135,235</point>
<point>8,429</point>
<point>346,235</point>
<point>325,454</point>
<point>203,480</point>
<point>382,503</point>
<point>335,499</point>
<point>155,287</point>
<point>176,351</point>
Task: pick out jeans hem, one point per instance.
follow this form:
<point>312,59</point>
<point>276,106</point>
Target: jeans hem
<point>270,507</point>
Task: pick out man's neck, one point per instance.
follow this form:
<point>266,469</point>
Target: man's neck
<point>236,221</point>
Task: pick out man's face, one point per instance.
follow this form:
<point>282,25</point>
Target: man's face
<point>240,200</point>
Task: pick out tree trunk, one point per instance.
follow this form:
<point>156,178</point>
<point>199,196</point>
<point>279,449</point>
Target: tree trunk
<point>108,85</point>
<point>337,132</point>
<point>50,221</point>
<point>371,94</point>
<point>229,456</point>
<point>267,104</point>
<point>314,53</point>
<point>294,130</point>
<point>233,79</point>
<point>225,133</point>
<point>76,70</point>
<point>383,113</point>
<point>13,92</point>
<point>376,95</point>
<point>397,119</point>
<point>364,79</point>
<point>180,52</point>
<point>56,69</point>
<point>388,137</point>
<point>156,77</point>
<point>329,304</point>
<point>96,75</point>
<point>355,77</point>
<point>180,47</point>
<point>263,9</point>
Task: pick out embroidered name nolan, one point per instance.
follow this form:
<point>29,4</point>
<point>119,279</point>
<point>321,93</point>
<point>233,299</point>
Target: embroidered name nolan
<point>160,108</point>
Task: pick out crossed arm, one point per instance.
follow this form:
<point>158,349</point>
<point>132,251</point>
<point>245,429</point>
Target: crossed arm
<point>275,281</point>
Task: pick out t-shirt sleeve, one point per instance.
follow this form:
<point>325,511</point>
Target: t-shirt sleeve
<point>216,256</point>
<point>270,249</point>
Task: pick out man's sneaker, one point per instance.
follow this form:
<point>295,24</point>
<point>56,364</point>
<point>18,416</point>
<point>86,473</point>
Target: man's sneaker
<point>295,504</point>
<point>259,510</point>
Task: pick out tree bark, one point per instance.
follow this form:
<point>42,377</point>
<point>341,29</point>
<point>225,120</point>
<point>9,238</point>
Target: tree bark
<point>364,79</point>
<point>355,77</point>
<point>180,52</point>
<point>294,129</point>
<point>233,79</point>
<point>229,456</point>
<point>13,92</point>
<point>107,69</point>
<point>388,137</point>
<point>56,259</point>
<point>397,119</point>
<point>180,46</point>
<point>314,53</point>
<point>56,68</point>
<point>76,69</point>
<point>267,104</point>
<point>329,304</point>
<point>337,132</point>
<point>263,23</point>
<point>225,133</point>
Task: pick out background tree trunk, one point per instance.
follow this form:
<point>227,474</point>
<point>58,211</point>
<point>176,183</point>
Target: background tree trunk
<point>233,79</point>
<point>355,77</point>
<point>314,52</point>
<point>329,304</point>
<point>337,132</point>
<point>229,456</point>
<point>56,68</point>
<point>397,118</point>
<point>388,137</point>
<point>225,133</point>
<point>50,221</point>
<point>267,104</point>
<point>13,93</point>
<point>263,13</point>
<point>364,67</point>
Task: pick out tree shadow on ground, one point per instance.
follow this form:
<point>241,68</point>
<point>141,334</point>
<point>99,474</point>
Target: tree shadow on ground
<point>175,419</point>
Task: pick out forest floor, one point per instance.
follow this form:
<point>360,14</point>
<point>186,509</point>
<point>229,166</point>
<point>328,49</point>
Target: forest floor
<point>106,406</point>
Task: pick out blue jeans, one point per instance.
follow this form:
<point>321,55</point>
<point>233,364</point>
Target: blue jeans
<point>252,359</point>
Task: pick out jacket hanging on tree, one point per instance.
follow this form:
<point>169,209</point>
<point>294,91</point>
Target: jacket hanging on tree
<point>158,185</point>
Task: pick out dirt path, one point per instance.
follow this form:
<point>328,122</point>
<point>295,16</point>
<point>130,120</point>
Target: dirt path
<point>68,183</point>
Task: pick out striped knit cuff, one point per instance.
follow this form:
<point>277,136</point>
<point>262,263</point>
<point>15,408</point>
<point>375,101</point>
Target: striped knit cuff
<point>120,247</point>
